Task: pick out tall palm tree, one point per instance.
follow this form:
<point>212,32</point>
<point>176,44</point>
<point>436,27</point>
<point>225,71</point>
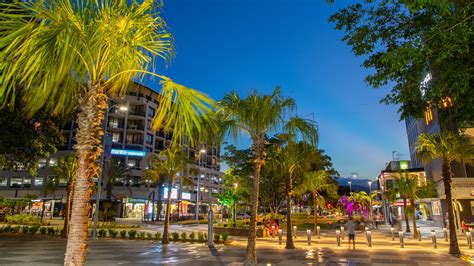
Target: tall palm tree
<point>256,116</point>
<point>59,54</point>
<point>411,190</point>
<point>317,182</point>
<point>172,163</point>
<point>66,170</point>
<point>449,147</point>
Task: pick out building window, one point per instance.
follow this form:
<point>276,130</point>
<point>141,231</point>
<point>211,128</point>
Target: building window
<point>39,181</point>
<point>115,122</point>
<point>149,139</point>
<point>16,182</point>
<point>41,163</point>
<point>135,139</point>
<point>151,111</point>
<point>53,162</point>
<point>3,181</point>
<point>116,137</point>
<point>133,164</point>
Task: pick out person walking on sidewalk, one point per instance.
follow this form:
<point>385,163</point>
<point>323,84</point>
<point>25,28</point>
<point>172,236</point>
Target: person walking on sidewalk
<point>350,226</point>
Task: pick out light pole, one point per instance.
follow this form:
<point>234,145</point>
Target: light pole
<point>350,187</point>
<point>235,203</point>
<point>101,164</point>
<point>370,195</point>
<point>198,185</point>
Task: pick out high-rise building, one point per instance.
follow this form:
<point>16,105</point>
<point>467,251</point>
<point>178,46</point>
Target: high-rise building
<point>130,140</point>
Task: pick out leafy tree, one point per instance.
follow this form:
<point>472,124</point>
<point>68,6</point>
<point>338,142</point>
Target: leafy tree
<point>59,54</point>
<point>171,162</point>
<point>317,182</point>
<point>49,186</point>
<point>229,199</point>
<point>66,170</point>
<point>26,139</point>
<point>449,147</point>
<point>404,41</point>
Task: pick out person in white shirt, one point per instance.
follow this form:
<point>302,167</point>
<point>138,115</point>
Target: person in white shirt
<point>350,226</point>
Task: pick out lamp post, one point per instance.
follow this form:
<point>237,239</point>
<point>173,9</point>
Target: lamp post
<point>101,165</point>
<point>350,186</point>
<point>198,186</point>
<point>370,195</point>
<point>235,203</point>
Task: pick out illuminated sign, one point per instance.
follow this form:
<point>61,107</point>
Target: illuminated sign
<point>174,193</point>
<point>186,196</point>
<point>403,165</point>
<point>128,152</point>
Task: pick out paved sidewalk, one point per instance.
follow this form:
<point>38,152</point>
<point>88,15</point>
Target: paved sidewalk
<point>37,250</point>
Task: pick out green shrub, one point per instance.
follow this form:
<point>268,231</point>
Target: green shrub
<point>23,219</point>
<point>201,237</point>
<point>112,233</point>
<point>7,229</point>
<point>2,229</point>
<point>24,229</point>
<point>51,231</point>
<point>175,236</point>
<point>158,236</point>
<point>141,235</point>
<point>217,238</point>
<point>149,235</point>
<point>192,236</point>
<point>15,229</point>
<point>225,236</point>
<point>43,230</point>
<point>33,229</point>
<point>184,236</point>
<point>102,233</point>
<point>123,234</point>
<point>132,234</point>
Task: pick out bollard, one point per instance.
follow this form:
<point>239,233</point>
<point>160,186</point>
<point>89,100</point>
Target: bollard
<point>273,231</point>
<point>366,229</point>
<point>433,238</point>
<point>318,228</point>
<point>338,237</point>
<point>469,239</point>
<point>280,236</point>
<point>400,234</point>
<point>369,238</point>
<point>308,234</point>
<point>419,234</point>
<point>392,232</point>
<point>445,231</point>
<point>294,230</point>
<point>210,229</point>
<point>342,232</point>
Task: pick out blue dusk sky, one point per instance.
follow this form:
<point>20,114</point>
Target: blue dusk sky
<point>240,45</point>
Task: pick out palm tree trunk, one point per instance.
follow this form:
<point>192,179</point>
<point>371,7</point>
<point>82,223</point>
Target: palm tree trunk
<point>251,252</point>
<point>166,234</point>
<point>289,226</point>
<point>88,149</point>
<point>453,244</point>
<point>413,218</point>
<point>406,215</point>
<point>65,230</point>
<point>315,206</point>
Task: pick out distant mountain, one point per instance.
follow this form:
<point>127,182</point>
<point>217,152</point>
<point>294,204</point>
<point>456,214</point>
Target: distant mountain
<point>358,184</point>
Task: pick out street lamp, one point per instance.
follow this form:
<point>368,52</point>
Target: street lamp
<point>350,186</point>
<point>122,108</point>
<point>198,185</point>
<point>370,195</point>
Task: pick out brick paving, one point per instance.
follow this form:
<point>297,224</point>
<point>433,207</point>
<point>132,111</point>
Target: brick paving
<point>44,250</point>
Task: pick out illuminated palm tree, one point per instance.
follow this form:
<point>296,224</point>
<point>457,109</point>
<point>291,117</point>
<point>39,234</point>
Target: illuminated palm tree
<point>449,147</point>
<point>62,54</point>
<point>171,163</point>
<point>317,182</point>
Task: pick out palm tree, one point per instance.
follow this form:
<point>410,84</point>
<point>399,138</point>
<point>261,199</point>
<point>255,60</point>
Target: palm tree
<point>59,54</point>
<point>66,169</point>
<point>113,171</point>
<point>412,190</point>
<point>256,116</point>
<point>449,147</point>
<point>171,162</point>
<point>317,182</point>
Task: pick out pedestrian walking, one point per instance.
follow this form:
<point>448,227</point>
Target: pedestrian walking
<point>350,226</point>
